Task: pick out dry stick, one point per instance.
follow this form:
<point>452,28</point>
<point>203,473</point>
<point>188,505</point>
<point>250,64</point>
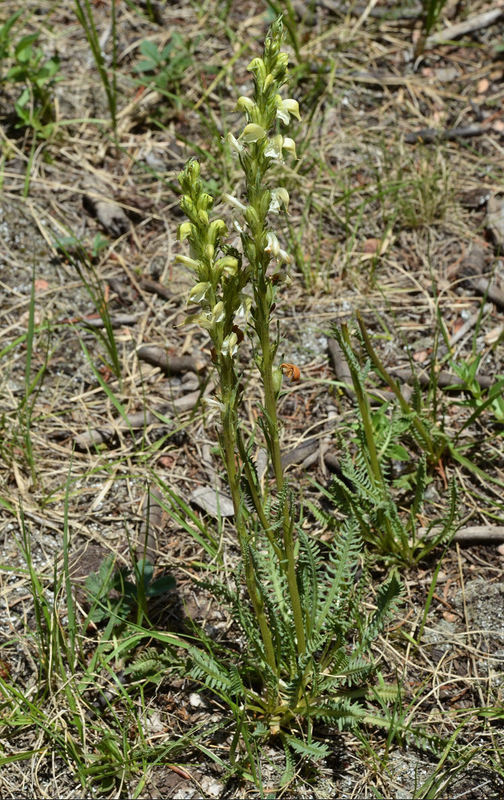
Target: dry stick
<point>388,14</point>
<point>473,534</point>
<point>156,288</point>
<point>467,26</point>
<point>430,135</point>
<point>363,17</point>
<point>406,375</point>
<point>485,287</point>
<point>106,432</point>
<point>469,324</point>
<point>116,321</point>
<point>342,373</point>
<point>443,379</point>
<point>171,365</point>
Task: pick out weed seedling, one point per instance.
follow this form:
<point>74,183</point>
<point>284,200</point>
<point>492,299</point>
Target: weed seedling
<point>34,107</point>
<point>165,68</point>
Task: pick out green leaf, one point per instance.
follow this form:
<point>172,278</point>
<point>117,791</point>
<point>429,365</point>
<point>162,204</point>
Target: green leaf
<point>312,750</point>
<point>163,584</point>
<point>23,49</point>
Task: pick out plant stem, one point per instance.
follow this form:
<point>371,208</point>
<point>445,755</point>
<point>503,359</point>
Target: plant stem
<point>372,454</point>
<point>423,433</point>
<point>230,446</point>
<point>270,405</point>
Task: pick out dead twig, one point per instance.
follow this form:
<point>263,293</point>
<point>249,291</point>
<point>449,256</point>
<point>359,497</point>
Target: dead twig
<point>116,321</point>
<point>153,287</point>
<point>170,365</point>
<point>467,26</point>
<point>430,135</point>
<point>485,287</point>
<point>342,373</point>
<point>104,433</point>
<point>472,534</point>
<point>443,379</point>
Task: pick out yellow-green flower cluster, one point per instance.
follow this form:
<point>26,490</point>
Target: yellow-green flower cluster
<point>267,106</point>
<point>259,144</point>
<point>219,275</point>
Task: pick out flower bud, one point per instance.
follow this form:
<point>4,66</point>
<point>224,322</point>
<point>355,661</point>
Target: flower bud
<point>252,218</point>
<point>185,229</point>
<point>268,81</point>
<point>250,250</point>
<point>252,133</point>
<point>205,200</point>
<point>193,170</point>
<point>264,203</point>
<point>277,376</point>
<point>198,292</point>
<point>188,262</point>
<point>246,104</point>
<point>258,68</point>
<point>227,265</point>
<point>187,206</point>
<point>282,62</point>
<point>216,229</point>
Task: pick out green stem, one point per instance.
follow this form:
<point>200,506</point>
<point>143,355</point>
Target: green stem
<point>422,431</point>
<point>365,414</point>
<point>229,436</point>
<point>274,443</point>
<point>258,502</point>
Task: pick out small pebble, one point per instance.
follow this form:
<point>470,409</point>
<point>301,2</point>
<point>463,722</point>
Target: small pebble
<point>195,700</point>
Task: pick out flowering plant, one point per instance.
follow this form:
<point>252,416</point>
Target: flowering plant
<point>302,606</point>
<point>222,275</point>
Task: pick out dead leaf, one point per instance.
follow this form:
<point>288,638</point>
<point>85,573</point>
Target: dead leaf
<point>166,462</point>
<point>212,501</point>
<point>422,355</point>
<point>371,246</point>
<point>457,325</point>
<point>376,247</point>
<point>494,335</point>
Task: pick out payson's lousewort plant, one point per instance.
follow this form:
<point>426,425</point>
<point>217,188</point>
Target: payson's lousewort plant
<point>312,642</point>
